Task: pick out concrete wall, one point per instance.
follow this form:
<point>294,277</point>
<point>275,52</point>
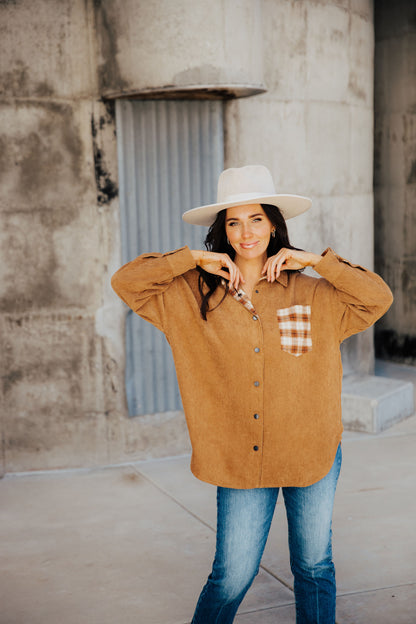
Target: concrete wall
<point>61,327</point>
<point>395,174</point>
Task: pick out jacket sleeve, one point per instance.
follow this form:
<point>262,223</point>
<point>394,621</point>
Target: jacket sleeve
<point>359,296</point>
<point>142,282</point>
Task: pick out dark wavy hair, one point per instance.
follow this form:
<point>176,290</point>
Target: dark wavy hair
<point>216,240</point>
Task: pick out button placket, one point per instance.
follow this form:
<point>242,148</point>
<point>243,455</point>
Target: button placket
<point>258,383</point>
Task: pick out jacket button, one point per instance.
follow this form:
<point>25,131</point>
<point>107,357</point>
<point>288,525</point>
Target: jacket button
<point>256,416</point>
<point>255,318</point>
<point>255,448</point>
<point>256,383</point>
<point>256,350</point>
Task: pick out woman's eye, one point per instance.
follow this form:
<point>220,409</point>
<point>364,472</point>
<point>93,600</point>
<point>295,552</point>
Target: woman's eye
<point>256,219</point>
<point>232,223</point>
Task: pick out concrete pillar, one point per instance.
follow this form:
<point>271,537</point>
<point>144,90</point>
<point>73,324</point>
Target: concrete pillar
<point>171,48</point>
<point>395,174</point>
<point>58,209</point>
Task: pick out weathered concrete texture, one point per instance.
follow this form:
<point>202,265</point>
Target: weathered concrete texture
<point>150,436</point>
<point>333,221</point>
<point>53,392</point>
<point>50,252</point>
<point>44,152</point>
<point>178,43</point>
<point>320,148</point>
<point>395,174</point>
<point>373,404</point>
<point>325,51</point>
<point>46,49</point>
<point>58,262</point>
<point>59,193</point>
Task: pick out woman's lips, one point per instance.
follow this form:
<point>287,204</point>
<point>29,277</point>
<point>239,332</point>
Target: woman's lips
<point>248,245</point>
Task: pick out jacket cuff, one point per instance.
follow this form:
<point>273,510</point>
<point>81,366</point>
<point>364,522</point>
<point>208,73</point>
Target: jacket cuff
<point>330,266</point>
<point>180,261</point>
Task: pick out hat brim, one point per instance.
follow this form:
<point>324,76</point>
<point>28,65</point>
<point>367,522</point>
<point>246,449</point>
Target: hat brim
<point>289,205</point>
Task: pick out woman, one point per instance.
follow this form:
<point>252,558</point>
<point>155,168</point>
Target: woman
<point>256,350</point>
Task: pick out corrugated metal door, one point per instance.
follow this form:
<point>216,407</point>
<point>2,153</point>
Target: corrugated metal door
<point>170,154</point>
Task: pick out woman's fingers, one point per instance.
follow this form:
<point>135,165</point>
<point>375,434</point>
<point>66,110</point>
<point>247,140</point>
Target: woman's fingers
<point>234,277</point>
<point>222,265</point>
<point>287,259</point>
<point>273,266</point>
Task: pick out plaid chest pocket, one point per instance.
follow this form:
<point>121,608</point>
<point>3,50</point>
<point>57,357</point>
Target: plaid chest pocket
<point>295,329</point>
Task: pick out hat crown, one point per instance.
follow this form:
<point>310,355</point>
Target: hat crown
<point>255,180</point>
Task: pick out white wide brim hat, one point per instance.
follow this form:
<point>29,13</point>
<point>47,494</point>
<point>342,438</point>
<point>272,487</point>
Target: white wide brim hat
<point>241,186</point>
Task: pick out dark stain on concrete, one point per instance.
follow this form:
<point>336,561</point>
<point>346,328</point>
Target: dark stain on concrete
<point>411,178</point>
<point>107,25</point>
<point>354,88</point>
<point>8,381</point>
<point>41,294</point>
<point>107,189</point>
<point>43,89</point>
<point>406,281</point>
<point>49,154</point>
<point>392,345</point>
<point>132,477</point>
<point>40,289</point>
<point>16,81</point>
<point>63,362</point>
<point>4,156</point>
<point>56,219</point>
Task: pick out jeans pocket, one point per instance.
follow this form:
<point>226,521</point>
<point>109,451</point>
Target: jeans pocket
<point>295,329</point>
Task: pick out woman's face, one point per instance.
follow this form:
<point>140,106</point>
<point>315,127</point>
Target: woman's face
<point>248,229</point>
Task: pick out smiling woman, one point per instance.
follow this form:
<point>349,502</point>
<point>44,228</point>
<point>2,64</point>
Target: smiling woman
<point>230,221</point>
<point>256,349</point>
<point>248,231</point>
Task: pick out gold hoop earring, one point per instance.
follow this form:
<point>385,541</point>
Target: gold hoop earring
<point>273,233</point>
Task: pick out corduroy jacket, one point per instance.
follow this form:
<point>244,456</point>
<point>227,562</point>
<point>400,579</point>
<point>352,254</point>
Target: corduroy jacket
<point>259,413</point>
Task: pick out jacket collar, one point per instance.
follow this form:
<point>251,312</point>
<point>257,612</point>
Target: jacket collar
<point>283,278</point>
<point>240,296</point>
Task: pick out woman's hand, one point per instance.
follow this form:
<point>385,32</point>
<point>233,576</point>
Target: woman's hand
<point>288,259</point>
<point>217,263</point>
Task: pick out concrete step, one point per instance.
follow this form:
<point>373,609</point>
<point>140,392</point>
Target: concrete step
<point>372,404</point>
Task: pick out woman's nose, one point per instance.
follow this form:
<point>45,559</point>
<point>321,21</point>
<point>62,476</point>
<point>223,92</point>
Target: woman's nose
<point>246,233</point>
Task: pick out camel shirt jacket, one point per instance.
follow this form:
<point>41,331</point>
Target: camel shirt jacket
<point>261,387</point>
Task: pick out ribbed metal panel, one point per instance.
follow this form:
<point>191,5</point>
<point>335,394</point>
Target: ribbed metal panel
<point>170,154</point>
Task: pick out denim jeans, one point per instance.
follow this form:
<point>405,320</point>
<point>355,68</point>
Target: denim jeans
<point>243,523</point>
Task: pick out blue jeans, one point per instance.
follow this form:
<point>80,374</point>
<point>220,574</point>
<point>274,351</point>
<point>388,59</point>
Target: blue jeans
<point>243,523</point>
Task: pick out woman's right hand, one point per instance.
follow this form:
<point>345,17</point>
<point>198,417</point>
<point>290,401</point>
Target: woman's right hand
<point>216,263</point>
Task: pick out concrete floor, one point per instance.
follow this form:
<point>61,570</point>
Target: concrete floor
<point>134,543</point>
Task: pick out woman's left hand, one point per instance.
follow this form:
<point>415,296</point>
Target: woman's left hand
<point>292,259</point>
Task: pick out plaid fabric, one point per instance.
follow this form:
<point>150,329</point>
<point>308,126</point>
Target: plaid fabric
<point>295,329</point>
<point>240,296</point>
